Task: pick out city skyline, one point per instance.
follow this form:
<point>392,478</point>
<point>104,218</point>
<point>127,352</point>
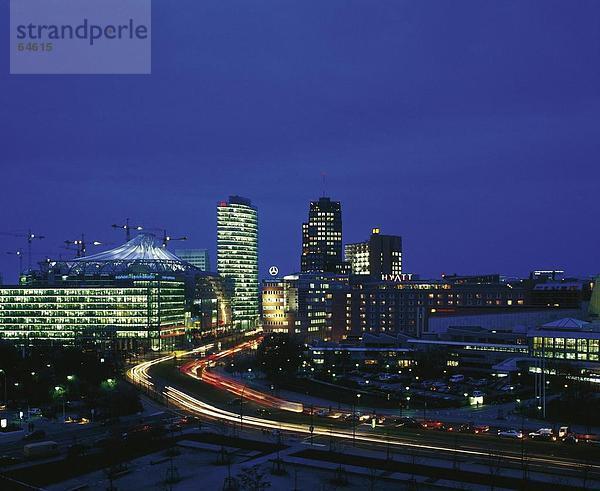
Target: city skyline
<point>52,247</point>
<point>474,141</point>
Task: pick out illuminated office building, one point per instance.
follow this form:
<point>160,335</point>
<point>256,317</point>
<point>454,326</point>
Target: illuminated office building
<point>128,298</point>
<point>380,255</point>
<point>196,257</point>
<point>322,238</point>
<point>237,257</point>
<point>138,314</point>
<point>311,305</point>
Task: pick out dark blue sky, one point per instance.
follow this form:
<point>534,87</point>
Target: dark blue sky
<point>471,128</point>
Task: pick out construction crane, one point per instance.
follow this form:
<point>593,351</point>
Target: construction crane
<point>128,228</point>
<point>30,236</point>
<point>168,238</point>
<point>81,245</point>
<point>19,254</point>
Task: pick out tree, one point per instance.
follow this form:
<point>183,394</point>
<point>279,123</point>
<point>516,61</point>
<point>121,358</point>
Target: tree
<point>253,479</point>
<point>279,355</point>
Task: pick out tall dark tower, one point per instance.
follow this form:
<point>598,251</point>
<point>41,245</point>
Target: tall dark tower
<point>322,238</point>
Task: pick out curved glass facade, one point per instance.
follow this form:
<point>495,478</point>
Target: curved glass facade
<point>237,257</point>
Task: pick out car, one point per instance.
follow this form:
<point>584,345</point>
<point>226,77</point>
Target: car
<point>433,425</point>
<point>34,436</point>
<point>455,379</point>
<point>460,428</point>
<point>543,434</point>
<point>79,421</point>
<point>480,429</point>
<point>407,422</point>
<point>570,438</point>
<point>478,393</point>
<point>6,460</point>
<point>517,434</point>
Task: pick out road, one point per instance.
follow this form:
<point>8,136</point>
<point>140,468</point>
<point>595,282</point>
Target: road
<point>543,457</point>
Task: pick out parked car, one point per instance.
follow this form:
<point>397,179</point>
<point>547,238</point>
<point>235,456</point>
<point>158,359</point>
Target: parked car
<point>455,379</point>
<point>408,423</point>
<point>480,429</point>
<point>433,425</point>
<point>543,434</point>
<point>510,434</point>
<point>6,460</point>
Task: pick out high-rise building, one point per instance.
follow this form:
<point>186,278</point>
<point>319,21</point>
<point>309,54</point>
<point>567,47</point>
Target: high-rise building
<point>322,238</point>
<point>380,255</point>
<point>196,257</point>
<point>237,257</point>
<point>311,305</point>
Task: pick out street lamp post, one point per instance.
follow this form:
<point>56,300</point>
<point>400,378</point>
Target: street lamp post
<point>354,419</point>
<point>4,381</point>
<point>242,409</point>
<point>61,392</point>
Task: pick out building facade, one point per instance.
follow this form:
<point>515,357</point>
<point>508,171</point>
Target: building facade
<point>279,306</point>
<point>322,238</point>
<point>196,257</point>
<point>380,255</point>
<point>237,257</point>
<point>144,314</point>
<point>310,305</point>
<point>404,307</point>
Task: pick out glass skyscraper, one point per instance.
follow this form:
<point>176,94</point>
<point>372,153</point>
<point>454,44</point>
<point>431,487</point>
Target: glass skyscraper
<point>237,257</point>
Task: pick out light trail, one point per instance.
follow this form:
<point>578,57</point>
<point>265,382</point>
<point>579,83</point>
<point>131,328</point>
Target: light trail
<point>139,375</point>
<point>191,404</point>
<point>200,370</point>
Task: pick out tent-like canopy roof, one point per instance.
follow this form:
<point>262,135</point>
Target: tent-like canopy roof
<point>142,247</point>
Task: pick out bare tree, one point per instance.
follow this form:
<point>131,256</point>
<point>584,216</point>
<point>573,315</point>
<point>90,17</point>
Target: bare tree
<point>253,479</point>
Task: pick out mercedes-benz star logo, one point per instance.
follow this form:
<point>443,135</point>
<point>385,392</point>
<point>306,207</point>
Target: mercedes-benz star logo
<point>273,270</point>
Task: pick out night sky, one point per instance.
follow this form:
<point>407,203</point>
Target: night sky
<point>471,128</point>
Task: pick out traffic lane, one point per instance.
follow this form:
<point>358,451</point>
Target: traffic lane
<point>479,442</point>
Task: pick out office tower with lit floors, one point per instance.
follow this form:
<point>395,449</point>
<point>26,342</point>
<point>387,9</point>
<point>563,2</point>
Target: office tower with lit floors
<point>237,257</point>
<point>379,257</point>
<point>322,238</point>
<point>196,257</point>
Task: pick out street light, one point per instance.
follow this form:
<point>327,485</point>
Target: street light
<point>354,419</point>
<point>4,375</point>
<point>60,392</point>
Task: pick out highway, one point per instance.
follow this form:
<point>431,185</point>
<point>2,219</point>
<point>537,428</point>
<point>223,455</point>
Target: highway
<point>436,444</point>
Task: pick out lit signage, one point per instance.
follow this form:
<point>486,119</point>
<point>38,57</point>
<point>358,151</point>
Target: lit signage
<point>273,270</point>
<point>397,277</point>
<point>140,276</point>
